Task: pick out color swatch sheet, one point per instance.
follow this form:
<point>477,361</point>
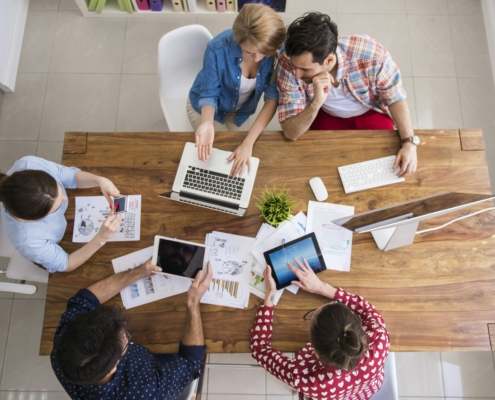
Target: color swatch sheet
<point>91,212</point>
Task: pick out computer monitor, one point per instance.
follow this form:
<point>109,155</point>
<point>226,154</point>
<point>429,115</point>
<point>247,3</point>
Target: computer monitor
<point>395,226</point>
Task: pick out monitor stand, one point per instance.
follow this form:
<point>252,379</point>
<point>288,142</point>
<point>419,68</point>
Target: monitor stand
<point>392,238</point>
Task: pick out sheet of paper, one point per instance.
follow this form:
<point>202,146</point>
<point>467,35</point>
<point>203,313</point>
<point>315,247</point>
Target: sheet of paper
<point>148,289</point>
<point>91,211</point>
<point>257,284</point>
<point>289,230</point>
<point>231,261</point>
<point>335,242</point>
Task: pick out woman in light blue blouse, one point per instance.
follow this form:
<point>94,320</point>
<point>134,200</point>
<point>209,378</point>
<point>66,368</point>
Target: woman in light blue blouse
<point>237,69</point>
<point>34,202</point>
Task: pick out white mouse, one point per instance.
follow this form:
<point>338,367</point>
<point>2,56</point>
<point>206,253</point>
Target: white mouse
<point>319,189</point>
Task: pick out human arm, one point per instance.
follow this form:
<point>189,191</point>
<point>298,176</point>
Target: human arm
<point>407,156</point>
<point>242,154</point>
<point>109,287</point>
<point>107,230</point>
<point>296,125</point>
<point>193,334</point>
<point>308,281</point>
<point>205,134</point>
<point>88,180</point>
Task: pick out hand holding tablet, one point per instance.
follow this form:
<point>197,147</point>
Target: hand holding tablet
<point>306,247</point>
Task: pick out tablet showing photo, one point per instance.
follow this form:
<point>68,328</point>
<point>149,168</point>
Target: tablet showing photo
<point>305,247</point>
<point>180,258</point>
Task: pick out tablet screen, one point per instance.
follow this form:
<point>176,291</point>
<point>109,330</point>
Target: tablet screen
<point>182,259</point>
<point>304,248</point>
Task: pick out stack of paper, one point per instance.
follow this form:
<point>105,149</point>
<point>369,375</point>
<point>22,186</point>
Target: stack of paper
<point>152,288</point>
<point>231,261</point>
<point>335,242</point>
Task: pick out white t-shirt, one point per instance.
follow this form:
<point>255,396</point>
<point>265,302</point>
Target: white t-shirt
<point>338,105</point>
<point>247,87</point>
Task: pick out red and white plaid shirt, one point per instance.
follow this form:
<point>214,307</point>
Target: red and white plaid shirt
<point>318,381</point>
<point>364,66</point>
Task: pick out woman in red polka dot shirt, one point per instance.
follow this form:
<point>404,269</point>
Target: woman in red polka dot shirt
<point>348,348</point>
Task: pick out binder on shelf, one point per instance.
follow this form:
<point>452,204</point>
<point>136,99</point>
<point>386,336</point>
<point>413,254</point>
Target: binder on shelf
<point>221,6</point>
<point>191,4</point>
<point>121,5</point>
<point>156,5</point>
<point>210,5</point>
<point>230,5</point>
<point>128,6</point>
<point>141,5</point>
<point>277,5</point>
<point>177,5</point>
<point>92,5</point>
<point>100,5</point>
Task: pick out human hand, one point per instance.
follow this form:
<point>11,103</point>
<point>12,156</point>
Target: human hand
<point>199,287</point>
<point>110,226</point>
<point>271,287</point>
<point>308,281</point>
<point>242,156</point>
<point>321,86</point>
<point>407,158</point>
<point>148,268</point>
<point>205,134</point>
<point>108,189</point>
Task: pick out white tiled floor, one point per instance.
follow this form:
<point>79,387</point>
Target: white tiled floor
<point>100,75</point>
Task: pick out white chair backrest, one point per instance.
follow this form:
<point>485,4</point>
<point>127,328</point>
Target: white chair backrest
<point>180,58</point>
<point>6,248</point>
<point>24,270</point>
<point>388,391</point>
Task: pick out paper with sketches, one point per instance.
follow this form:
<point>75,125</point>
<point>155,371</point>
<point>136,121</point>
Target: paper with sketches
<point>268,239</point>
<point>231,261</point>
<point>91,211</point>
<point>335,242</point>
<point>148,289</point>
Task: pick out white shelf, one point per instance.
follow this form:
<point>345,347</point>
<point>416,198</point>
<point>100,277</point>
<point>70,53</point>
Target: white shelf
<point>112,9</point>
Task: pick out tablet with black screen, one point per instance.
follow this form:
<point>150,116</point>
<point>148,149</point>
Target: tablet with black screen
<point>180,258</point>
<point>304,247</point>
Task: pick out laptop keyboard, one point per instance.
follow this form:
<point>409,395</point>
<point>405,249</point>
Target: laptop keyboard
<point>213,182</point>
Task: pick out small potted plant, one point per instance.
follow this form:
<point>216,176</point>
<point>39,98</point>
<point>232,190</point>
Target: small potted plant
<point>275,207</point>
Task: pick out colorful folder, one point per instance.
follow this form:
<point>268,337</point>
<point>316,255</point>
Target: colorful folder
<point>142,5</point>
<point>210,5</point>
<point>177,4</point>
<point>221,6</point>
<point>156,5</point>
<point>230,5</point>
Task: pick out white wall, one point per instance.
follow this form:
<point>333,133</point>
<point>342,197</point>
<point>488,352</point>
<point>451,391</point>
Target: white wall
<point>13,15</point>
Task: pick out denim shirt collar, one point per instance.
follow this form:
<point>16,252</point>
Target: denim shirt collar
<point>234,49</point>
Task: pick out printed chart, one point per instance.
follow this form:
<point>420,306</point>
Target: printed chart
<point>91,212</point>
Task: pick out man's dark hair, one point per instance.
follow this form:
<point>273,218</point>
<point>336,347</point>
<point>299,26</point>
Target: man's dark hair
<point>338,337</point>
<point>315,33</point>
<point>28,194</point>
<point>91,345</point>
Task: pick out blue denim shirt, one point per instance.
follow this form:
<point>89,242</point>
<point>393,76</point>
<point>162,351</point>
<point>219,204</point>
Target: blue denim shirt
<point>217,84</point>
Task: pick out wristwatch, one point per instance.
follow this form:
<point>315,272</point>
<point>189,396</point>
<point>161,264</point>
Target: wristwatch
<point>413,139</point>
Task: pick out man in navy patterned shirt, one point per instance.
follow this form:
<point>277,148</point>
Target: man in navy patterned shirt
<point>93,356</point>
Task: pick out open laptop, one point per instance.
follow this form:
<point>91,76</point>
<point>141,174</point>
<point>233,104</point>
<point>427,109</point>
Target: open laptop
<point>208,184</point>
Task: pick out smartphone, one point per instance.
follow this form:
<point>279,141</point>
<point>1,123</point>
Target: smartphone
<point>121,204</point>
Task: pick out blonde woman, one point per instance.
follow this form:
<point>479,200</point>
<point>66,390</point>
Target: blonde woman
<point>237,69</point>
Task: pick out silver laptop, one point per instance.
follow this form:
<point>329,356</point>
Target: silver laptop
<point>208,184</point>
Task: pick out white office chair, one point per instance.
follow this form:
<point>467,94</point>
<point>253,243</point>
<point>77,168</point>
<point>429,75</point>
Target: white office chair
<point>19,268</point>
<point>388,391</point>
<point>180,58</point>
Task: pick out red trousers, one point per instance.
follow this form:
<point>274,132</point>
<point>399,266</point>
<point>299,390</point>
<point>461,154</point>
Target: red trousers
<point>370,120</point>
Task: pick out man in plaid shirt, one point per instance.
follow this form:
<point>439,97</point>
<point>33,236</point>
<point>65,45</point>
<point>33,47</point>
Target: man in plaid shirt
<point>327,82</point>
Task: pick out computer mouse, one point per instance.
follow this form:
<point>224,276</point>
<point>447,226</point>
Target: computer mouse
<point>319,189</point>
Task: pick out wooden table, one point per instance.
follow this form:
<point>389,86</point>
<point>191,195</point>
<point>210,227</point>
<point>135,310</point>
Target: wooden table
<point>437,294</point>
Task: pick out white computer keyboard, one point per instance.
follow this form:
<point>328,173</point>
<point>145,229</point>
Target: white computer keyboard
<point>369,174</point>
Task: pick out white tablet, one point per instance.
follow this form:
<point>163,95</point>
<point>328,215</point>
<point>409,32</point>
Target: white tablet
<point>180,258</point>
